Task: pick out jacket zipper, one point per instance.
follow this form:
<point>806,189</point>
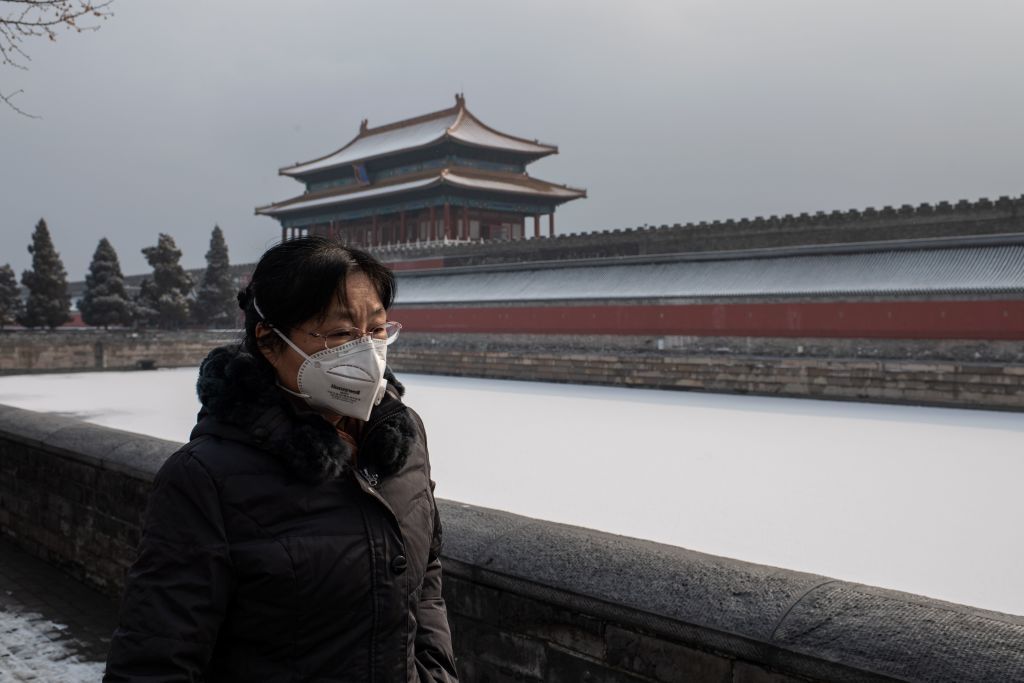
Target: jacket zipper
<point>372,478</point>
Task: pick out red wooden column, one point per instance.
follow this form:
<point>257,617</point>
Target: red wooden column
<point>401,227</point>
<point>373,232</point>
<point>536,226</point>
<point>284,234</point>
<point>432,233</point>
<point>551,224</point>
<point>447,220</point>
<point>465,221</point>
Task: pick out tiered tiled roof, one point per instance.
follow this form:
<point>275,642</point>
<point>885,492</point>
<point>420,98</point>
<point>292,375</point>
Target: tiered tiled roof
<point>455,123</point>
<point>384,166</point>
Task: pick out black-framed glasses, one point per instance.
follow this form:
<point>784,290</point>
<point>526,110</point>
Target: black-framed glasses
<point>343,335</point>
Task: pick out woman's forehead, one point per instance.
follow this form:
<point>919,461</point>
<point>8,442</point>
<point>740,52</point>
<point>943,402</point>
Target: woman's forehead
<point>356,310</point>
<point>362,299</point>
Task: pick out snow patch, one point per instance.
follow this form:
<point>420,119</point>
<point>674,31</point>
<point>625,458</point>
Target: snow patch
<point>31,649</point>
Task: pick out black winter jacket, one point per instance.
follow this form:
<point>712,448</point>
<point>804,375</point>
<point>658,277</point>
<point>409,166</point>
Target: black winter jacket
<point>266,557</point>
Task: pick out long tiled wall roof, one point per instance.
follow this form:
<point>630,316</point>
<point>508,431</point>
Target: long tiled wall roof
<point>978,270</point>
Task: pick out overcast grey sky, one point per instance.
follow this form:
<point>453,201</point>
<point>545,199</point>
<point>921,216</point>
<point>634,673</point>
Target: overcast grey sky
<point>176,115</point>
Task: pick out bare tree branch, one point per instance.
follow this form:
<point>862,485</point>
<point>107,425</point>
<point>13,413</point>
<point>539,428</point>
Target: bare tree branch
<point>24,19</point>
<point>7,100</point>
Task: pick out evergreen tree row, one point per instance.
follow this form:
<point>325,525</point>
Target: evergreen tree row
<point>166,300</point>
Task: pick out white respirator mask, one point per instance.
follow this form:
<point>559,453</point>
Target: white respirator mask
<point>345,380</point>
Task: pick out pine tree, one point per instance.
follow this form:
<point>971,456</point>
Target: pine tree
<point>143,306</point>
<point>164,301</point>
<point>11,305</point>
<point>215,304</point>
<point>47,283</point>
<point>105,301</point>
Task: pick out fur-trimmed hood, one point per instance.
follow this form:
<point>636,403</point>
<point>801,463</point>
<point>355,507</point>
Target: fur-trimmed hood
<point>242,402</point>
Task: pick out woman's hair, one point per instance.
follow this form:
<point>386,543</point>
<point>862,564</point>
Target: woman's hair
<point>299,279</point>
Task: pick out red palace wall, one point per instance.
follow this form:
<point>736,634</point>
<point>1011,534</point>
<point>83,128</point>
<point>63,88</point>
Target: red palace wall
<point>1003,320</point>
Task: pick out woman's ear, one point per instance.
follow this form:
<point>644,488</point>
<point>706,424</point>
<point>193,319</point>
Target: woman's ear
<point>269,352</point>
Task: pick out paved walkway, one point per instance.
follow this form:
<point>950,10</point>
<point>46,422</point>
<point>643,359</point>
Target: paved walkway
<point>52,628</point>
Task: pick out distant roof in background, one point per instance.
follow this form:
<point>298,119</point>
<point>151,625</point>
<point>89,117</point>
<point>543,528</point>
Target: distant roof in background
<point>467,178</point>
<point>454,123</point>
<point>951,271</point>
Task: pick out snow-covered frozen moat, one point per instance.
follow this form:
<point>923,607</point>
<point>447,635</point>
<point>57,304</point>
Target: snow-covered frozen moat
<point>926,500</point>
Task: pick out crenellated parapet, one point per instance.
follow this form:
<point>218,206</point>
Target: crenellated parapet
<point>963,218</point>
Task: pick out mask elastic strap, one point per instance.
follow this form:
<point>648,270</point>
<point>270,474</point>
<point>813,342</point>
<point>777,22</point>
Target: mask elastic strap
<point>283,336</point>
<point>289,391</point>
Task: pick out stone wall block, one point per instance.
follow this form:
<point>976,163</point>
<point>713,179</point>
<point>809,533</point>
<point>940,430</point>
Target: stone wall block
<point>473,670</point>
<point>550,624</point>
<point>471,600</point>
<point>662,660</point>
<point>744,672</point>
<point>568,667</point>
<point>512,652</point>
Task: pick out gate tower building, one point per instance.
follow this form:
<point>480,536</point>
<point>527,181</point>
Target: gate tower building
<point>440,177</point>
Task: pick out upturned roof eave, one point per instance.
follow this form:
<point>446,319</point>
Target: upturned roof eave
<point>533,156</point>
<point>578,192</point>
<point>547,149</point>
<point>284,170</point>
<point>396,187</point>
<point>441,177</point>
<point>366,131</point>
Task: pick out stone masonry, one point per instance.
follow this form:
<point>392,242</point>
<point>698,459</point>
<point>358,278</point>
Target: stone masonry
<point>946,373</point>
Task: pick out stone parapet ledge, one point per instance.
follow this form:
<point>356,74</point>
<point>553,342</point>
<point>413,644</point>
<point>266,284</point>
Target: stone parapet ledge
<point>104,448</point>
<point>531,600</point>
<point>617,608</point>
<point>74,494</point>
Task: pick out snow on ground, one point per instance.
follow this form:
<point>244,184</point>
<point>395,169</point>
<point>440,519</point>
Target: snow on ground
<point>31,650</point>
<point>161,403</point>
<point>925,500</point>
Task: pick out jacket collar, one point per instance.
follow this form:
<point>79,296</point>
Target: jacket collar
<point>241,402</point>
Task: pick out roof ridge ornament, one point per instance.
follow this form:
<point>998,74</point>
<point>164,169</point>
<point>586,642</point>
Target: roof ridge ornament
<point>364,126</point>
<point>460,100</point>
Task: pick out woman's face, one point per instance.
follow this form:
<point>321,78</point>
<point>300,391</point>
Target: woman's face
<point>363,310</point>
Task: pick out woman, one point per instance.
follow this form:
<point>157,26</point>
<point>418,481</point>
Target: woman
<point>295,538</point>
